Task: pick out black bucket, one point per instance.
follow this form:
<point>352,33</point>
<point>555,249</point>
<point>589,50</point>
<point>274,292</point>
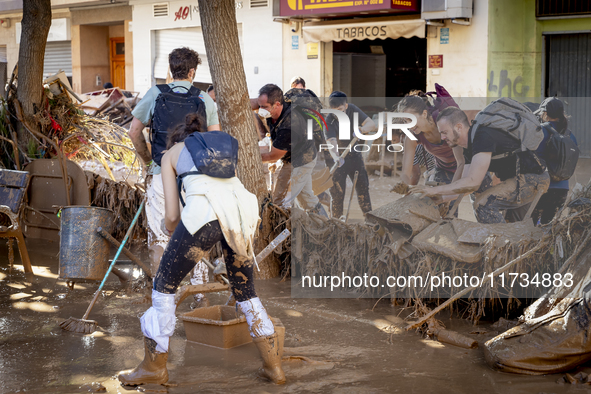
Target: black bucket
<point>84,254</point>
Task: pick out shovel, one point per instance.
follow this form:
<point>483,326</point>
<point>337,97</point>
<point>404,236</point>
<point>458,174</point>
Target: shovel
<point>323,181</point>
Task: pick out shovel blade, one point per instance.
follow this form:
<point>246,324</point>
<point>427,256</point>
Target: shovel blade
<point>322,186</point>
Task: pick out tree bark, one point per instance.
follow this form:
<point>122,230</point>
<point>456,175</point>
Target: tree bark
<point>220,33</point>
<point>35,28</point>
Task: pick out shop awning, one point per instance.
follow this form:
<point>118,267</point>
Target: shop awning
<point>367,29</point>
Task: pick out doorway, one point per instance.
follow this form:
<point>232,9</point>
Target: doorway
<point>389,67</point>
<point>117,59</point>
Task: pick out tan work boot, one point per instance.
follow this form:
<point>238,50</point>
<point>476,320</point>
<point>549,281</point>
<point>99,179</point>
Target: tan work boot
<point>151,370</point>
<point>270,350</point>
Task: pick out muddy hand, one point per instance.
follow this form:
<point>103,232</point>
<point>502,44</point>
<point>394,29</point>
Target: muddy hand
<point>426,191</point>
<point>419,189</point>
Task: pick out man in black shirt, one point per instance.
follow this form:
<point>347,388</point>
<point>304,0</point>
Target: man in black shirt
<point>522,174</point>
<point>290,144</point>
<point>353,161</point>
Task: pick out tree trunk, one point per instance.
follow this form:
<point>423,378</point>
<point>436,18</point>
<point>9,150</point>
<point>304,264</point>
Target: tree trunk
<point>35,28</point>
<point>218,21</point>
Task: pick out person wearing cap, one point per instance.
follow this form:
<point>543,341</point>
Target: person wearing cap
<point>551,112</point>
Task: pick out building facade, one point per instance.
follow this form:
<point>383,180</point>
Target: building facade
<point>86,40</point>
<point>159,27</point>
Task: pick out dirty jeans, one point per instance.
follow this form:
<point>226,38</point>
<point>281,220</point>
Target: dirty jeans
<point>301,186</point>
<point>282,184</point>
<point>157,240</point>
<point>352,163</point>
<point>513,195</point>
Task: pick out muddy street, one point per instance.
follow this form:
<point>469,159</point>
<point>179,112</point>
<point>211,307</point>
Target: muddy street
<point>331,345</point>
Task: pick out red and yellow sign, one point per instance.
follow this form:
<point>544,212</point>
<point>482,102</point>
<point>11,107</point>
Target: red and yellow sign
<point>435,61</point>
<point>318,7</point>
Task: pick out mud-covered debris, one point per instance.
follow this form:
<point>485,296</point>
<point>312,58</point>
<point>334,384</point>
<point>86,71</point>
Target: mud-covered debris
<point>400,188</point>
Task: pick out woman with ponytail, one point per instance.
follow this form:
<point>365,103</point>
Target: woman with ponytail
<point>449,162</point>
<point>218,209</point>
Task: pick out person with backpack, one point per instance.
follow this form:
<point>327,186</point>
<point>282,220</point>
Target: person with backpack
<point>218,209</point>
<point>165,108</point>
<point>490,144</point>
<point>290,144</point>
<point>353,162</point>
<point>559,150</point>
<point>308,102</point>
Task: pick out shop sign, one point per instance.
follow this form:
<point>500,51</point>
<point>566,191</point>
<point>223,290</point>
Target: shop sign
<point>186,12</point>
<point>320,7</point>
<point>312,50</point>
<point>295,42</point>
<point>369,29</point>
<point>444,35</point>
<point>435,61</point>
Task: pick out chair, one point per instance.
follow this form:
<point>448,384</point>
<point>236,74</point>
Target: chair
<point>13,186</point>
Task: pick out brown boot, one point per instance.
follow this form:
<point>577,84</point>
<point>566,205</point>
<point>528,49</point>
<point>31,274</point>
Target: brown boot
<point>270,350</point>
<point>151,370</point>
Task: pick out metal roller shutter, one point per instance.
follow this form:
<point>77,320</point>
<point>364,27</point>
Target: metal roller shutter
<point>168,40</point>
<point>58,56</point>
<point>568,76</point>
<point>3,55</point>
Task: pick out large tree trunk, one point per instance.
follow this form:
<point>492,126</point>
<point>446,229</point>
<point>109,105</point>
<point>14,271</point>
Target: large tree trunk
<point>35,28</point>
<point>218,21</point>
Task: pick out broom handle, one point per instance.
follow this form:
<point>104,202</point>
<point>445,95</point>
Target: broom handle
<point>127,235</point>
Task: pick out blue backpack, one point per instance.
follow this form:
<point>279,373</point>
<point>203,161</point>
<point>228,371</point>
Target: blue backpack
<point>214,153</point>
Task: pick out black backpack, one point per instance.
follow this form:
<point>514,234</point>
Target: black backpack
<point>170,111</point>
<point>561,154</point>
<point>214,153</point>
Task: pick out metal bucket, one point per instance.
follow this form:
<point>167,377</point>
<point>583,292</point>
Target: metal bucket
<point>84,254</point>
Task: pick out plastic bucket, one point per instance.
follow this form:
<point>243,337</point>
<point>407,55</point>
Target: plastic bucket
<point>84,254</point>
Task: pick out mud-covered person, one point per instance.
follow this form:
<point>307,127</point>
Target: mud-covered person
<point>217,210</point>
<point>287,129</point>
<point>551,112</point>
<point>354,160</point>
<point>183,64</point>
<point>516,191</point>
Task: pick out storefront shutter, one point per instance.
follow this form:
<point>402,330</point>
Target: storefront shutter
<point>58,56</point>
<point>192,37</point>
<point>567,76</point>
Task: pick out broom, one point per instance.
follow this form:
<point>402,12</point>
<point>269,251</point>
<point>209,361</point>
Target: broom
<point>84,326</point>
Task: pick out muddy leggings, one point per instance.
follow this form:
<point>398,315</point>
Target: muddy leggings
<point>185,250</point>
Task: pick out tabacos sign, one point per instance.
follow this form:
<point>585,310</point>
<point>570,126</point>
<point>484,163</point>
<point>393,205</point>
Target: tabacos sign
<point>386,120</point>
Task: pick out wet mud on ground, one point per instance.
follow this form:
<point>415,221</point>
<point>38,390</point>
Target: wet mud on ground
<point>332,345</point>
